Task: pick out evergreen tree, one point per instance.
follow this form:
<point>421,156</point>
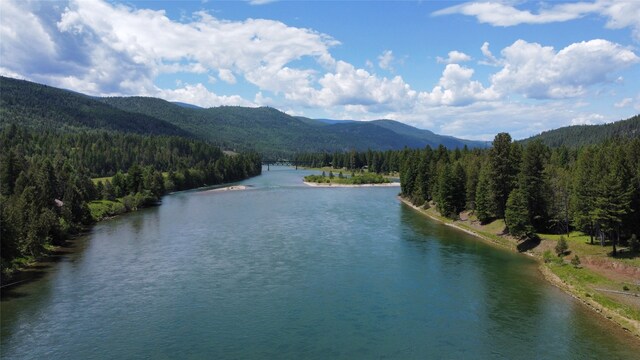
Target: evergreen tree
<point>534,184</point>
<point>517,215</point>
<point>503,171</point>
<point>485,205</point>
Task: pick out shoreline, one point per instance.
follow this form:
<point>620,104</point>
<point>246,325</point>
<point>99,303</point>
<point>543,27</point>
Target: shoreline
<point>392,184</point>
<point>29,271</point>
<point>629,325</point>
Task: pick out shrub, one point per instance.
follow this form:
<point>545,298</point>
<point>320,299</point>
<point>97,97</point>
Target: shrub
<point>625,288</point>
<point>575,261</point>
<point>547,256</point>
<point>561,246</point>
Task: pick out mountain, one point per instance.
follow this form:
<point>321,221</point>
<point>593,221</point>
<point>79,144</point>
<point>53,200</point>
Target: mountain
<point>277,134</point>
<point>47,108</point>
<point>265,129</point>
<point>579,135</point>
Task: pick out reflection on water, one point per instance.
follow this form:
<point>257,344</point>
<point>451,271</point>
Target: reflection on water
<point>286,270</point>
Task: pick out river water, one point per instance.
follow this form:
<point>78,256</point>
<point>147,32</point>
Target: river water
<point>283,270</point>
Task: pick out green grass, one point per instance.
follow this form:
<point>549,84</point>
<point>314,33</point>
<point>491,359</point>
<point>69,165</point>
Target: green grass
<point>101,209</point>
<point>585,281</point>
<point>366,178</point>
<point>580,244</point>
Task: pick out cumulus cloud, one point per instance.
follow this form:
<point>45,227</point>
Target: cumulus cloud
<point>454,57</point>
<point>588,119</point>
<point>455,88</point>
<point>619,13</point>
<point>540,72</point>
<point>489,59</point>
<point>385,60</point>
<point>227,76</point>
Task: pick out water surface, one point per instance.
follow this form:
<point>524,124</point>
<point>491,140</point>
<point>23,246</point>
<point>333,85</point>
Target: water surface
<point>288,271</point>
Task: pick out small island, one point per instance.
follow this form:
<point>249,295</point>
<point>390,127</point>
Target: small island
<point>355,180</point>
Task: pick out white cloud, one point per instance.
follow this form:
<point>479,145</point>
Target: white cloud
<point>489,59</point>
<point>588,119</point>
<point>540,72</point>
<point>456,88</point>
<point>623,103</point>
<point>454,57</point>
<point>619,13</point>
<point>227,76</point>
<point>385,60</point>
<point>257,49</point>
<point>199,95</point>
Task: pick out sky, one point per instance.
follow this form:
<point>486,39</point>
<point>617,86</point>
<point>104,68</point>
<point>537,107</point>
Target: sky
<point>466,69</point>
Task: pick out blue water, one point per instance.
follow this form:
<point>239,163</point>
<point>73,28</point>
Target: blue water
<point>283,270</point>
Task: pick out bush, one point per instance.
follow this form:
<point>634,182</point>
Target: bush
<point>547,256</point>
<point>561,246</point>
<point>575,261</point>
<point>625,288</point>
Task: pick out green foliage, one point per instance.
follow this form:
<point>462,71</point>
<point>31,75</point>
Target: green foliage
<point>561,246</point>
<point>575,261</point>
<point>548,257</point>
<point>49,194</point>
<point>517,215</point>
<point>484,204</point>
<point>581,135</point>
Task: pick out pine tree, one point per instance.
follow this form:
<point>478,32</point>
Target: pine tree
<point>534,184</point>
<point>517,215</point>
<point>504,168</point>
<point>485,209</point>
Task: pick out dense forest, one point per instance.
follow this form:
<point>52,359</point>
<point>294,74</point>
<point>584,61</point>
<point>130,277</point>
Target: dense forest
<point>273,133</point>
<point>46,186</point>
<point>580,135</point>
<point>594,189</point>
<point>534,188</point>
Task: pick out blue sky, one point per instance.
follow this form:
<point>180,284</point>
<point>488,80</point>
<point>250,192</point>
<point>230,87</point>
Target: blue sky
<point>467,69</point>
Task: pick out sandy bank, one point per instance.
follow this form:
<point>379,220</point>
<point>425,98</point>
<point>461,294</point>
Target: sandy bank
<point>229,188</point>
<point>393,184</point>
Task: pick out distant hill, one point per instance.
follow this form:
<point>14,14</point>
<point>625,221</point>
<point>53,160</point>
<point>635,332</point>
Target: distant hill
<point>275,133</point>
<point>267,130</point>
<point>579,135</point>
<point>47,108</point>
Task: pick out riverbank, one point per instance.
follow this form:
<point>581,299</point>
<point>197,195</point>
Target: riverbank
<point>393,184</point>
<point>590,284</point>
<point>30,269</point>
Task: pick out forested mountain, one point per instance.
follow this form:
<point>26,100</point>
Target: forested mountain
<point>264,129</point>
<point>579,135</point>
<point>47,108</point>
<point>275,133</point>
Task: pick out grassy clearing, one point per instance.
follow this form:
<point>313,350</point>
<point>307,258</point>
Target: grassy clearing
<point>580,244</point>
<point>101,209</point>
<point>586,282</point>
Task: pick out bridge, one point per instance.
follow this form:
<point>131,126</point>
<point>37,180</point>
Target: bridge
<point>279,162</point>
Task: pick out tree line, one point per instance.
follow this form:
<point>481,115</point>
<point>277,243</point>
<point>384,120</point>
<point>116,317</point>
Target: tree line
<point>46,180</point>
<point>534,188</point>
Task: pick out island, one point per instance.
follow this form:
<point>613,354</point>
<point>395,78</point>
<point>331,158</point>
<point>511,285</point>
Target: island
<point>355,180</point>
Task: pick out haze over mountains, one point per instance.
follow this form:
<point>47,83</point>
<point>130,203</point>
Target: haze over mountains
<point>266,130</point>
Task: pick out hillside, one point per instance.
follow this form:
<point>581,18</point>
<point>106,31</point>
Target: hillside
<point>579,135</point>
<point>264,129</point>
<point>275,133</point>
<point>43,107</point>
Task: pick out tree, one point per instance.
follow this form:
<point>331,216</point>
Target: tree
<point>517,215</point>
<point>485,209</point>
<point>504,166</point>
<point>533,183</point>
<point>561,246</point>
<point>576,261</point>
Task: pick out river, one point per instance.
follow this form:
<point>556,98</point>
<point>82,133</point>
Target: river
<point>283,270</point>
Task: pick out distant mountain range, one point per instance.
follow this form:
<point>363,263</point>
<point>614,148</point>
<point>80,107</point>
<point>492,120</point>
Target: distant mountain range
<point>267,130</point>
<point>579,135</point>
